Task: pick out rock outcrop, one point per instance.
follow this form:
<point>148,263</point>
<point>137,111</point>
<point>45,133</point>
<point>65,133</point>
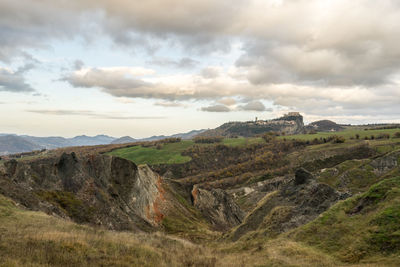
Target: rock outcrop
<point>97,189</point>
<point>218,208</point>
<point>293,204</point>
<point>291,123</point>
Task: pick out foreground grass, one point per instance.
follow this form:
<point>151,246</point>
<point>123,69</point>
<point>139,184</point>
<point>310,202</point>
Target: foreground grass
<point>35,239</point>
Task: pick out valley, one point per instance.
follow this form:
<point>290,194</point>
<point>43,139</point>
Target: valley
<point>290,200</point>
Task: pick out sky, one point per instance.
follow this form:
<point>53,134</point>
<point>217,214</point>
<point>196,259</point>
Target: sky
<point>142,68</point>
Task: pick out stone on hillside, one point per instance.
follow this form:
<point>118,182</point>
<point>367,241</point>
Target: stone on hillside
<point>302,176</point>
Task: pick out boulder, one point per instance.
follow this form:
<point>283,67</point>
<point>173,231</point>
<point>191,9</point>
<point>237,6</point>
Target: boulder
<point>302,176</point>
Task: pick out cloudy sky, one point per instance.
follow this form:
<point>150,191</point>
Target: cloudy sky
<point>139,68</point>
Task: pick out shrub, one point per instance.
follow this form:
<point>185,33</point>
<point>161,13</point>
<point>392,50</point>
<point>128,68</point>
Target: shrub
<point>357,136</point>
<point>268,137</point>
<point>208,140</point>
<point>383,136</point>
<point>170,140</point>
<point>338,139</point>
<point>396,135</point>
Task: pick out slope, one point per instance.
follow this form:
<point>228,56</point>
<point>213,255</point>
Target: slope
<point>10,144</point>
<point>364,228</point>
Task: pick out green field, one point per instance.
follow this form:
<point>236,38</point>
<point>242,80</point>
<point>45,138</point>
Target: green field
<point>168,154</point>
<point>348,133</point>
<point>171,153</point>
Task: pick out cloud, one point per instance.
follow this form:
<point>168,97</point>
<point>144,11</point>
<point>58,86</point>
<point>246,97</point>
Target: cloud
<point>183,63</point>
<point>227,101</point>
<point>211,72</point>
<point>312,99</point>
<point>169,104</point>
<point>254,106</point>
<point>131,82</point>
<point>318,56</point>
<point>250,106</point>
<point>14,81</point>
<point>216,108</point>
<point>78,64</point>
<point>92,114</point>
<point>331,43</point>
<point>112,78</point>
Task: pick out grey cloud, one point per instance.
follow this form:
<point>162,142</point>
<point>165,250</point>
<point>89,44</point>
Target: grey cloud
<point>227,101</point>
<point>210,72</point>
<point>113,81</point>
<point>312,55</point>
<point>350,45</point>
<point>216,108</point>
<point>251,106</point>
<point>14,81</point>
<point>254,106</point>
<point>78,64</point>
<point>92,114</point>
<point>41,21</point>
<point>183,63</point>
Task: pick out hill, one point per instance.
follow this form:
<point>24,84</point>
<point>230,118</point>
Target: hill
<point>83,140</point>
<point>27,143</point>
<point>10,144</point>
<point>291,123</point>
<point>324,126</point>
<point>280,201</point>
<point>124,140</point>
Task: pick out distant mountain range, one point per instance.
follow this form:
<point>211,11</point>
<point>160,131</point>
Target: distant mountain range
<point>12,143</point>
<point>185,136</point>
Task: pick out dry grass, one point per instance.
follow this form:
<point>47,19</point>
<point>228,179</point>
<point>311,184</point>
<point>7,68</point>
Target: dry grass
<point>30,238</point>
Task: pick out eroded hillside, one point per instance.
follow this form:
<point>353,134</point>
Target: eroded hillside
<point>255,203</point>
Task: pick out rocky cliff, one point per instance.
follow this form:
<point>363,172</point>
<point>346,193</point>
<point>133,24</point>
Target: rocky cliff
<point>218,207</point>
<point>289,124</point>
<point>288,206</point>
<point>98,189</point>
<point>111,192</point>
